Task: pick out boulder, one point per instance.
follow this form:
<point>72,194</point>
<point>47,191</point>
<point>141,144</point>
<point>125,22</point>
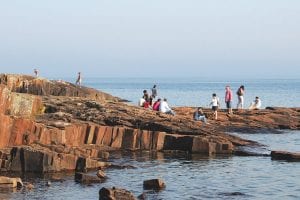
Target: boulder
<point>115,194</point>
<point>285,155</point>
<point>154,184</point>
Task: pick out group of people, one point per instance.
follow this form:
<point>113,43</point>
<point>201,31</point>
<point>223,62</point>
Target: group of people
<point>159,105</point>
<point>215,102</point>
<point>162,105</point>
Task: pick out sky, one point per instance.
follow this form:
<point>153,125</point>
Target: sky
<point>151,38</point>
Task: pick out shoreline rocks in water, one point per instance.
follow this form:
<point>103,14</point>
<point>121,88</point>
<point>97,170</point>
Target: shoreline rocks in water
<point>285,155</point>
<point>115,193</point>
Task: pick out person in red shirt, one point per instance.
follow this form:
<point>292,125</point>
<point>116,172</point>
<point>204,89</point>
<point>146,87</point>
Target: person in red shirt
<point>228,99</point>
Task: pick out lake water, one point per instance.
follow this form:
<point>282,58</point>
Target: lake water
<point>194,177</point>
<point>197,91</point>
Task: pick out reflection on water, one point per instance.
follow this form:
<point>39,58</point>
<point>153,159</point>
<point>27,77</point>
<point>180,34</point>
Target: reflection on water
<point>187,176</point>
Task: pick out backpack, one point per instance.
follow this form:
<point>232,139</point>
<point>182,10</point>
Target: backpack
<point>239,92</point>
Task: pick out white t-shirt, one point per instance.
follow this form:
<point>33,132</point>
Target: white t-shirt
<point>164,107</point>
<point>141,102</point>
<point>257,104</point>
<point>215,101</point>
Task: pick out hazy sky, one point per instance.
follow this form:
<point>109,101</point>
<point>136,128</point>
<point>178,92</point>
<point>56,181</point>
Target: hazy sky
<point>224,38</point>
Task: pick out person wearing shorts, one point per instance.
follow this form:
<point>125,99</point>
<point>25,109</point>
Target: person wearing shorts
<point>215,103</point>
<point>228,99</point>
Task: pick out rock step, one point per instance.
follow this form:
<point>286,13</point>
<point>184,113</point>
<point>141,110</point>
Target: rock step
<point>42,160</point>
<point>20,131</point>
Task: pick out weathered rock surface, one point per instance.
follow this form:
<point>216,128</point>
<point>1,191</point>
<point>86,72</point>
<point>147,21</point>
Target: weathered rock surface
<point>285,155</point>
<point>60,126</point>
<point>41,86</point>
<point>252,121</point>
<point>115,194</point>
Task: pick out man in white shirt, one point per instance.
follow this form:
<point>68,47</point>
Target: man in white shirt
<point>164,108</point>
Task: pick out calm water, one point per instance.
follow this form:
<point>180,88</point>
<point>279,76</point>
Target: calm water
<point>197,92</point>
<point>194,177</point>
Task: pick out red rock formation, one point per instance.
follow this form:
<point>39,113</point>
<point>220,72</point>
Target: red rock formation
<point>68,128</point>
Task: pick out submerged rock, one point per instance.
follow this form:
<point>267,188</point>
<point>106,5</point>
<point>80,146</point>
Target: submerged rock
<point>29,186</point>
<point>101,174</point>
<point>115,194</point>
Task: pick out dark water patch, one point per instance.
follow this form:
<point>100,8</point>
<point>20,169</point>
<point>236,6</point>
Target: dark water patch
<point>232,194</point>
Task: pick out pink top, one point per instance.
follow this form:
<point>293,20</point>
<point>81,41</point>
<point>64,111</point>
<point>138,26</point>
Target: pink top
<point>228,95</point>
<point>156,106</point>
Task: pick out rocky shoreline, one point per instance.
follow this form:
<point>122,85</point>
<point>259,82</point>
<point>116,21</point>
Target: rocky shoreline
<point>55,126</point>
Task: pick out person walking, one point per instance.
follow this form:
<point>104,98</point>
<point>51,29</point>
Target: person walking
<point>215,103</point>
<point>240,93</point>
<point>228,99</point>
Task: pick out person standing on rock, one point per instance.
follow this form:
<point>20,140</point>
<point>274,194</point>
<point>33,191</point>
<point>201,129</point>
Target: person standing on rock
<point>36,72</point>
<point>215,103</point>
<point>154,92</point>
<point>240,93</point>
<point>78,81</point>
<point>228,99</point>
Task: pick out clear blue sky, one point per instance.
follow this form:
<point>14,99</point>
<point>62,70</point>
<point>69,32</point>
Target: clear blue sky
<point>148,38</point>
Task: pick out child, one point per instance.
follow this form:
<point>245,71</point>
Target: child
<point>215,102</point>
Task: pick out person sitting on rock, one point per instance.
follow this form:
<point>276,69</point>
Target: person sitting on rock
<point>256,104</point>
<point>164,108</point>
<point>156,104</point>
<point>199,115</point>
<point>141,102</point>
